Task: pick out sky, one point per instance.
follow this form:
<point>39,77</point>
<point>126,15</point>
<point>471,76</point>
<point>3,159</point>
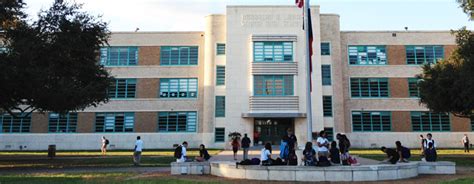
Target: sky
<point>355,15</point>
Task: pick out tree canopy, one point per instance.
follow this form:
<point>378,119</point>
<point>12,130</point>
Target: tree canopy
<point>468,7</point>
<point>51,64</point>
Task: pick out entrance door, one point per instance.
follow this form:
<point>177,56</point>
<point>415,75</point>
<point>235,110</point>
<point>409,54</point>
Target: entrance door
<point>272,129</point>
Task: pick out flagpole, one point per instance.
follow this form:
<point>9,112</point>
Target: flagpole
<point>309,111</point>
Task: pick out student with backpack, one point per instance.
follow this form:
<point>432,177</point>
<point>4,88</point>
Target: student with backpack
<point>245,146</point>
<point>429,139</point>
<point>105,143</point>
<point>430,153</point>
<point>403,151</point>
<point>180,153</point>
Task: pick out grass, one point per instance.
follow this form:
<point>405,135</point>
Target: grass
<point>457,152</point>
<point>128,178</point>
<point>460,181</point>
<point>465,161</point>
<point>97,153</point>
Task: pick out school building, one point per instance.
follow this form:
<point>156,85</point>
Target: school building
<point>245,72</point>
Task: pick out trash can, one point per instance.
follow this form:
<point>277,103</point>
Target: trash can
<point>51,151</point>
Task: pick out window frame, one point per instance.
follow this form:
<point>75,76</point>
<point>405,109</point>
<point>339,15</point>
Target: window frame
<point>425,61</point>
<point>381,114</point>
<point>272,78</point>
<point>220,49</point>
<point>379,80</point>
<point>328,53</point>
<point>326,81</point>
<point>12,120</point>
<point>216,136</point>
<point>106,61</point>
<point>128,81</point>
<point>178,88</point>
<point>68,122</point>
<point>264,53</point>
<point>410,90</point>
<point>104,126</point>
<point>219,111</point>
<point>190,55</point>
<point>188,113</point>
<point>441,126</point>
<point>220,75</point>
<point>358,62</point>
<point>331,114</point>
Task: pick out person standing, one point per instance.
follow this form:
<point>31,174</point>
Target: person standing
<point>423,142</point>
<point>105,143</point>
<point>245,146</point>
<point>465,141</point>
<point>323,144</point>
<point>344,145</point>
<point>235,147</point>
<point>137,154</point>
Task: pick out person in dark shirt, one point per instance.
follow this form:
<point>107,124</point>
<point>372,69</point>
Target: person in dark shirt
<point>334,153</point>
<point>392,155</point>
<point>245,144</point>
<point>203,154</point>
<point>292,141</point>
<point>309,155</point>
<point>430,153</point>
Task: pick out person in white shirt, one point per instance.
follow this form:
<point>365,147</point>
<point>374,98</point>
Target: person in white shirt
<point>266,155</point>
<point>429,139</point>
<point>184,157</point>
<point>465,142</point>
<point>137,152</point>
<point>322,144</point>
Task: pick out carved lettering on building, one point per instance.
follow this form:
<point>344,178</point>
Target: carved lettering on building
<point>271,20</point>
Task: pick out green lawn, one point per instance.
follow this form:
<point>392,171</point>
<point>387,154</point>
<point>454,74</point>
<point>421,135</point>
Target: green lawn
<point>191,152</point>
<point>128,178</point>
<point>460,181</point>
<point>465,161</point>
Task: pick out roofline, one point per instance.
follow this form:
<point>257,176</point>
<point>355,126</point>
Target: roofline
<point>399,31</point>
<point>266,6</point>
<point>158,32</point>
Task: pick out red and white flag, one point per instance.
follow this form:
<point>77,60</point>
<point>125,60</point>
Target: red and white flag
<point>299,3</point>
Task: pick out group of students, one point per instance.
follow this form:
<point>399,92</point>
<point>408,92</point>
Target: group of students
<point>323,153</point>
<point>181,155</point>
<point>402,153</point>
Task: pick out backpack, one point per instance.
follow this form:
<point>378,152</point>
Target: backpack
<point>406,152</point>
<point>255,161</point>
<point>323,162</point>
<point>245,162</point>
<point>107,142</point>
<point>278,161</point>
<point>178,152</point>
<point>292,158</point>
<point>284,150</point>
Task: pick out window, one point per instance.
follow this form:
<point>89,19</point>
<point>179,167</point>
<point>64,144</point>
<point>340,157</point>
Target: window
<point>17,124</point>
<point>413,88</point>
<point>123,88</point>
<point>330,132</point>
<point>177,121</point>
<point>371,121</point>
<point>273,85</point>
<point>369,87</point>
<point>325,49</point>
<point>114,122</point>
<point>220,106</point>
<point>220,49</point>
<point>220,75</point>
<point>472,123</point>
<point>327,106</point>
<point>179,55</point>
<point>273,51</point>
<point>417,55</point>
<point>62,123</point>
<point>326,73</point>
<point>178,88</point>
<point>219,135</point>
<point>429,121</point>
<point>119,56</point>
<point>367,55</point>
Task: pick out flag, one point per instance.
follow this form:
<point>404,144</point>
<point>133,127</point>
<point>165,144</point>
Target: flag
<point>299,3</point>
<point>310,40</point>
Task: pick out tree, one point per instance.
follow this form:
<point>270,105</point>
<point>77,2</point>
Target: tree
<point>468,7</point>
<point>51,64</point>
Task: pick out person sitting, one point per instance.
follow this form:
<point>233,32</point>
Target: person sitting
<point>403,152</point>
<point>334,153</point>
<point>392,155</point>
<point>266,155</point>
<point>430,153</point>
<point>203,154</point>
<point>309,155</point>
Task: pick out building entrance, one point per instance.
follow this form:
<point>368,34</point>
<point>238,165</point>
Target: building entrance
<point>271,129</point>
